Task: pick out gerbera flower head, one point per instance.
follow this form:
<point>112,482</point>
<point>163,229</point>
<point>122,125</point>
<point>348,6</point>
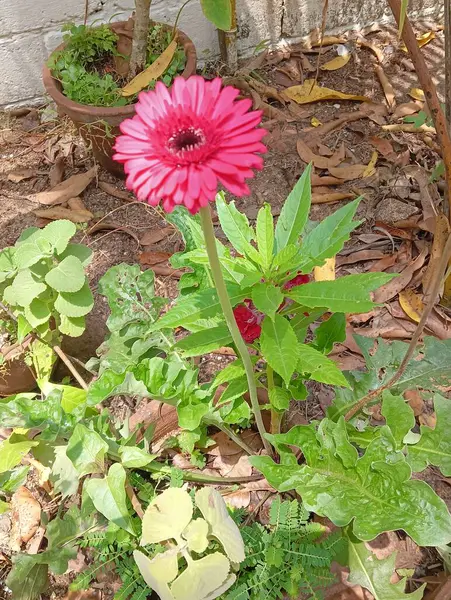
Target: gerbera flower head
<point>185,141</point>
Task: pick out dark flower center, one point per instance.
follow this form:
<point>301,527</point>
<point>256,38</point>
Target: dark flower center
<point>186,139</point>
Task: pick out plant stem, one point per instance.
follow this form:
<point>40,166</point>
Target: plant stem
<point>176,22</point>
<point>199,477</point>
<point>276,416</point>
<point>140,36</point>
<point>210,242</point>
<point>70,366</point>
<point>235,438</point>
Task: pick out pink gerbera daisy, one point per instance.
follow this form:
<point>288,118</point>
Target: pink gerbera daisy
<point>184,141</point>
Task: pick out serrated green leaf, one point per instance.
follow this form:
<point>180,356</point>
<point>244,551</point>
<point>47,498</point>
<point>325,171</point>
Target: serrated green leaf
<point>82,252</point>
<point>72,326</point>
<point>190,412</point>
<point>58,233</point>
<point>330,332</point>
<point>204,342</point>
<point>279,346</point>
<point>319,367</point>
<point>26,288</point>
<point>86,449</point>
<point>349,294</point>
<point>431,371</point>
<point>374,574</point>
<point>67,276</point>
<point>375,494</point>
<point>37,313</point>
<point>12,452</point>
<point>265,235</point>
<point>279,398</point>
<point>267,298</point>
<point>236,227</point>
<point>434,446</point>
<point>75,304</point>
<point>27,254</point>
<point>295,211</point>
<point>219,12</point>
<point>109,497</point>
<point>398,416</point>
<point>328,238</point>
<point>234,370</point>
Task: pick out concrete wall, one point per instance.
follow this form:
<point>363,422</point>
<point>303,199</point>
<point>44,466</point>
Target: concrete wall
<point>29,29</point>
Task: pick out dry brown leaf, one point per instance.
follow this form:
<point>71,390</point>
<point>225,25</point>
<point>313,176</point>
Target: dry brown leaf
<point>412,304</point>
<point>334,124</point>
<point>409,128</point>
<point>267,91</point>
<point>167,272</point>
<point>238,499</point>
<point>406,109</point>
<point>59,212</point>
<point>428,420</point>
<point>331,197</point>
<point>384,263</point>
<point>336,63</point>
<point>348,173</point>
<point>76,204</point>
<point>327,40</point>
<point>375,49</point>
<point>322,149</point>
<point>320,162</point>
<point>382,145</point>
<point>358,256</point>
<point>441,234</point>
<point>422,40</point>
<point>396,285</point>
<point>19,175</point>
<point>318,181</point>
<point>70,188</point>
<point>310,91</point>
<point>152,236</point>
<point>153,72</point>
<point>429,196</point>
<point>26,517</point>
<point>56,172</point>
<point>153,258</point>
<point>84,595</point>
<point>415,401</point>
<point>112,190</point>
<point>389,91</point>
<point>392,231</point>
<point>236,465</point>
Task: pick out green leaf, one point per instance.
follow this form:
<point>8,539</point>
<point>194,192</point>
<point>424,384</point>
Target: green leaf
<point>374,574</point>
<point>190,413</point>
<point>434,446</point>
<point>295,211</point>
<point>236,227</point>
<point>28,254</point>
<point>23,328</point>
<point>12,452</point>
<point>265,235</point>
<point>7,264</point>
<point>134,457</point>
<point>234,370</point>
<point>330,332</point>
<point>68,276</point>
<point>279,398</point>
<point>267,298</point>
<point>75,304</point>
<point>37,313</point>
<point>349,294</point>
<point>72,326</point>
<point>64,475</point>
<point>402,15</point>
<point>319,367</point>
<point>11,480</point>
<point>112,384</point>
<point>219,12</point>
<point>60,531</point>
<point>398,416</point>
<point>204,342</point>
<point>203,305</point>
<point>431,371</point>
<point>58,233</point>
<point>328,238</point>
<point>279,346</point>
<point>26,288</point>
<point>27,579</point>
<point>86,449</point>
<point>109,497</point>
<point>373,492</point>
<point>83,253</point>
<point>237,412</point>
<point>72,397</point>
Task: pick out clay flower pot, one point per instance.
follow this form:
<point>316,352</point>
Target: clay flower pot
<point>91,120</point>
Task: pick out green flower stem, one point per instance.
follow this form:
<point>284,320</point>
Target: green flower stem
<point>210,241</point>
<point>276,416</point>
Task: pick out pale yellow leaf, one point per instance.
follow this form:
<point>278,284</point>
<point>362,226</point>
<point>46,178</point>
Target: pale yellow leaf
<point>315,122</point>
<point>159,571</point>
<point>309,91</point>
<point>326,272</point>
<point>328,40</point>
<point>336,63</point>
<point>422,40</point>
<point>166,516</point>
<point>196,535</point>
<point>417,94</point>
<point>156,69</point>
<point>412,304</point>
<point>203,579</point>
<point>370,170</point>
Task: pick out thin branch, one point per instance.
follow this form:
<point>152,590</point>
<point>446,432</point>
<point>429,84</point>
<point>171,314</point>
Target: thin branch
<point>85,20</point>
<point>70,366</point>
<point>323,29</point>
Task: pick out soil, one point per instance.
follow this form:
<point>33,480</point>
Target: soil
<point>30,142</point>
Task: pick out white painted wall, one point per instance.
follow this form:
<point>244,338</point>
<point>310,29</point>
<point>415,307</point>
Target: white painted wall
<point>29,29</point>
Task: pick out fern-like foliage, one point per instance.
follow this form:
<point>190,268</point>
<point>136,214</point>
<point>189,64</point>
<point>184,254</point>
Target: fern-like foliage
<point>285,557</point>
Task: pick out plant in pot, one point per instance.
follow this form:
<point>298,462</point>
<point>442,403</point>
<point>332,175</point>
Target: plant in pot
<point>44,295</point>
<point>95,75</point>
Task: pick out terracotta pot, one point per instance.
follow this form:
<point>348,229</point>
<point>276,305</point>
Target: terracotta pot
<point>90,120</point>
<point>16,378</point>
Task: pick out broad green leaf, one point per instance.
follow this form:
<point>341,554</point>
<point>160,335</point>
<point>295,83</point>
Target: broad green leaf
<point>265,235</point>
<point>375,493</point>
<point>279,398</point>
<point>12,452</point>
<point>72,397</point>
<point>134,457</point>
<point>204,579</point>
<point>37,313</point>
<point>196,535</point>
<point>190,412</point>
<point>204,342</point>
<point>11,480</point>
<point>330,332</point>
<point>375,575</point>
<point>4,507</point>
<point>83,253</point>
<point>72,326</point>
<point>267,298</point>
<point>279,346</point>
<point>203,305</point>
<point>222,526</point>
<point>434,446</point>
<point>29,412</point>
<point>320,368</point>
<point>328,238</point>
<point>111,384</point>
<point>67,276</point>
<point>349,294</point>
<point>23,328</point>
<point>167,516</point>
<point>86,449</point>
<point>64,476</point>
<point>219,12</point>
<point>28,254</point>
<point>26,288</point>
<point>234,370</point>
<point>295,211</point>
<point>75,304</point>
<point>60,531</point>
<point>398,416</point>
<point>236,227</point>
<point>58,233</point>
<point>431,371</point>
<point>109,497</point>
<point>27,579</point>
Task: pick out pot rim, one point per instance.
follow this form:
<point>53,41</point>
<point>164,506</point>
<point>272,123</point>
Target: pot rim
<point>54,88</point>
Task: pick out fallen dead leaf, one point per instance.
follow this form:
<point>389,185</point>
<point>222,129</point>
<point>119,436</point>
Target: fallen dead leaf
<point>389,91</point>
<point>428,420</point>
<point>370,169</point>
<point>320,162</point>
<point>391,231</point>
<point>153,72</point>
<point>76,204</point>
<point>26,517</point>
<point>153,258</point>
<point>429,196</point>
<point>382,145</point>
<point>112,190</point>
<point>56,172</point>
<point>375,112</point>
<point>409,128</point>
<point>323,150</point>
<point>331,197</point>
<point>415,401</point>
<point>336,63</point>
<point>412,304</point>
<point>375,49</point>
<point>316,123</point>
<point>235,465</point>
<point>327,40</point>
<point>422,40</point>
<point>167,272</point>
<point>441,234</point>
<point>19,175</point>
<point>238,499</point>
<point>359,256</point>
<point>348,173</point>
<point>59,212</point>
<point>318,181</point>
<point>310,91</point>
<point>70,188</point>
<point>84,595</point>
<point>396,285</point>
<point>384,263</point>
<point>406,109</point>
<point>417,94</point>
<point>152,236</point>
